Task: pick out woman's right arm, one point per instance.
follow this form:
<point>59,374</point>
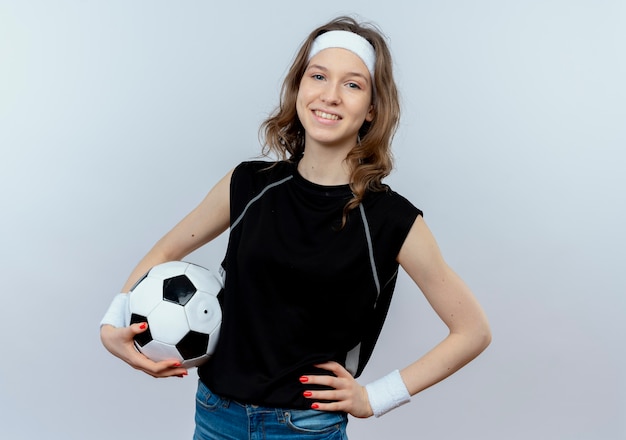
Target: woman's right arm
<point>208,220</point>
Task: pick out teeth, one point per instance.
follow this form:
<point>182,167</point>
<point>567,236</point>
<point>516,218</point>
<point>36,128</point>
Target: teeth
<point>326,115</point>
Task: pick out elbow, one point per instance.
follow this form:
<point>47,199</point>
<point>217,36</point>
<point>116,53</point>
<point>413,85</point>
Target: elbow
<point>483,337</point>
<point>474,339</point>
<point>486,339</point>
<point>477,338</point>
<point>481,332</point>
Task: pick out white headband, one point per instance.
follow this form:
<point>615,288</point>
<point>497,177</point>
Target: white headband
<point>349,41</point>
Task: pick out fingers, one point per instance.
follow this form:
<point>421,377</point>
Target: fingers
<point>352,400</point>
<point>338,380</point>
<point>346,394</point>
<point>168,368</point>
<point>120,342</point>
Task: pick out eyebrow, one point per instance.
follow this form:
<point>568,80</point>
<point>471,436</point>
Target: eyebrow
<point>325,69</point>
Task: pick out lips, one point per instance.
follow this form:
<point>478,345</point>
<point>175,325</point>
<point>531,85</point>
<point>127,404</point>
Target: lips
<point>328,116</point>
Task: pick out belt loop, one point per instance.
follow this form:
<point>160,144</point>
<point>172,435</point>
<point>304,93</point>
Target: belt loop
<point>281,415</point>
<point>225,402</point>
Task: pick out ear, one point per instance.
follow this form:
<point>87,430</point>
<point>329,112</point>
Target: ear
<point>369,117</point>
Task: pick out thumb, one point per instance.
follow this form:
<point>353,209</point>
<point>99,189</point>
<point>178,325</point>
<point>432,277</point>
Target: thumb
<point>138,327</point>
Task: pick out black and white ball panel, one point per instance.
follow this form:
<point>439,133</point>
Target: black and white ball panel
<point>179,302</point>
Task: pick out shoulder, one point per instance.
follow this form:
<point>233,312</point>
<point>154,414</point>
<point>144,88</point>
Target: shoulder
<point>388,202</point>
<point>251,177</point>
<point>262,170</point>
<point>390,217</point>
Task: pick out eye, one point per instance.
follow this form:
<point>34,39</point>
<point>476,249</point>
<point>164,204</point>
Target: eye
<point>317,76</point>
<point>354,85</point>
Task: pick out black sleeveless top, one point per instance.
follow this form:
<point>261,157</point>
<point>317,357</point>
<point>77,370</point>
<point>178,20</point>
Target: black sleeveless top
<point>299,289</point>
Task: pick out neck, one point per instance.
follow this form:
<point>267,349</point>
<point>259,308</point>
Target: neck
<point>324,169</point>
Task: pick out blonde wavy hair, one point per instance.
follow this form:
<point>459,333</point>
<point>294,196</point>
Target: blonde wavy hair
<point>370,160</point>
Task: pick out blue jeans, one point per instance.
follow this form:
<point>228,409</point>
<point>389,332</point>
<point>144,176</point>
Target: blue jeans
<point>218,418</point>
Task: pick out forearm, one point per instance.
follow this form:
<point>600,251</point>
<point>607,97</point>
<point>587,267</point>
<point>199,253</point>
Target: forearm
<point>447,357</point>
<point>393,390</point>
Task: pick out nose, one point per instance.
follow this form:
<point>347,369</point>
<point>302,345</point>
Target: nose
<point>330,95</point>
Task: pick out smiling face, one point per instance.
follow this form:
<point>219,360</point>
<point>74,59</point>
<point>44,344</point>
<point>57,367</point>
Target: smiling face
<point>334,99</point>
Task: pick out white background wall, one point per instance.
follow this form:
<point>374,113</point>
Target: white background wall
<point>116,117</point>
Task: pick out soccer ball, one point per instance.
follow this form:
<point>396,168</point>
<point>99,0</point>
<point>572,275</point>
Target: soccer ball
<point>179,302</point>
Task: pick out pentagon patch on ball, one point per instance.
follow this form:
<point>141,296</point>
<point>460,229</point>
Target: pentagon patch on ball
<point>179,302</point>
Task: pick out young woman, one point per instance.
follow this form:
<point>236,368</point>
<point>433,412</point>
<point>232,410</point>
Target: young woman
<point>315,243</point>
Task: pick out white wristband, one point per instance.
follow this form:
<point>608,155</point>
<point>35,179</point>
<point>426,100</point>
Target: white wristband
<point>118,313</point>
<point>387,393</point>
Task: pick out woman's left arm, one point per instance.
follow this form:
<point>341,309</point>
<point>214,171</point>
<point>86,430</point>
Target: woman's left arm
<point>452,300</point>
